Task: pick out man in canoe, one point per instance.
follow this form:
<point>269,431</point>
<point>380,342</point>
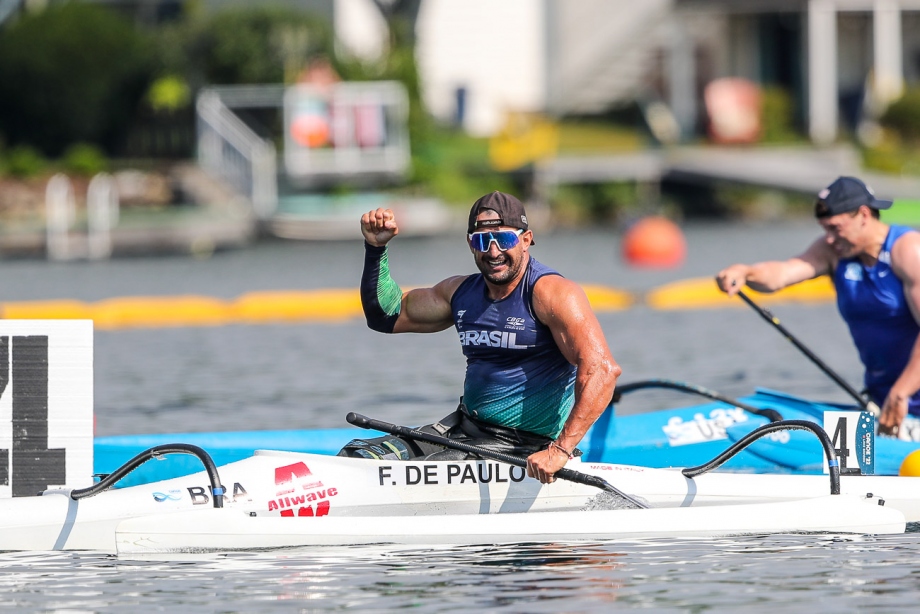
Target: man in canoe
<point>876,272</point>
<point>539,372</point>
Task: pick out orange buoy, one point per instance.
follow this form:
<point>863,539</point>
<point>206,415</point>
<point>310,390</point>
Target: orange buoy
<point>309,130</point>
<point>654,242</point>
<point>910,466</point>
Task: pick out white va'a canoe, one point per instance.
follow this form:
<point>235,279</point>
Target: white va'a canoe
<point>227,529</point>
<point>277,486</point>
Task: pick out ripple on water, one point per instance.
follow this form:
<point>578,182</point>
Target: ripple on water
<point>763,573</point>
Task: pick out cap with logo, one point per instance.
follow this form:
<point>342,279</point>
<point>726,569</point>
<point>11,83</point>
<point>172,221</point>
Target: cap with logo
<point>846,194</point>
<point>509,209</point>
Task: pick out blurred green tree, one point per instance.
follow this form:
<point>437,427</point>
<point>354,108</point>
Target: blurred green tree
<point>72,72</point>
<point>240,45</point>
<point>84,159</point>
<point>903,116</point>
<point>25,161</point>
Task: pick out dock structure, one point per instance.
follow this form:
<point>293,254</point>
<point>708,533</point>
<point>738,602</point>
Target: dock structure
<point>796,169</point>
<point>214,217</point>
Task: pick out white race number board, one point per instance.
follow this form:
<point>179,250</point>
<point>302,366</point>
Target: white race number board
<point>46,405</point>
<point>852,434</point>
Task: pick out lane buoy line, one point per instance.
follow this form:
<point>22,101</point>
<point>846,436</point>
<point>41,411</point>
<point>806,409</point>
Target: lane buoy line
<point>336,305</point>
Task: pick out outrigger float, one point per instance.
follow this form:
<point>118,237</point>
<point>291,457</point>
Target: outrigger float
<point>283,499</point>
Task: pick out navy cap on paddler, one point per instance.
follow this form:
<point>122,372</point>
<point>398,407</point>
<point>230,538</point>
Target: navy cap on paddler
<point>510,212</point>
<point>846,194</point>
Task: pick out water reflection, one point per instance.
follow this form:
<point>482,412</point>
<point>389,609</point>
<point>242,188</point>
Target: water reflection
<point>763,573</point>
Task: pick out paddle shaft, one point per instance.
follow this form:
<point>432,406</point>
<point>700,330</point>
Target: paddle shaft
<point>563,474</point>
<point>772,319</point>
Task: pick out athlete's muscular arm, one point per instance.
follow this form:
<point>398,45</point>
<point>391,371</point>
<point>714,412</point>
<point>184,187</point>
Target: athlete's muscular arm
<point>427,310</point>
<point>905,262</point>
<point>386,307</point>
<point>775,275</point>
<point>563,306</point>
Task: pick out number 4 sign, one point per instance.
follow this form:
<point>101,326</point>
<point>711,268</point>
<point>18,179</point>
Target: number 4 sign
<point>852,434</point>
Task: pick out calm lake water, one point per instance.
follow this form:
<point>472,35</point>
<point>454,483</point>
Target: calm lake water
<point>281,376</point>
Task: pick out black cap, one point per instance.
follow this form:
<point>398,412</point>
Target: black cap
<point>509,209</point>
<point>846,194</point>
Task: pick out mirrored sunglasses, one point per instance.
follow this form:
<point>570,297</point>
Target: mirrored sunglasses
<point>504,239</point>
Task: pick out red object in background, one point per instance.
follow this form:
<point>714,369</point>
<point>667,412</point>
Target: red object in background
<point>654,242</point>
<point>734,109</point>
<point>310,130</point>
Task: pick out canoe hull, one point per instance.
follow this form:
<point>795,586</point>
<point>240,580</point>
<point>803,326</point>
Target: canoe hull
<point>284,485</point>
<point>223,530</point>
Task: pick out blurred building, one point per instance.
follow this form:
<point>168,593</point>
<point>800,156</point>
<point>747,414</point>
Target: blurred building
<point>838,61</point>
<point>842,61</point>
<point>479,59</point>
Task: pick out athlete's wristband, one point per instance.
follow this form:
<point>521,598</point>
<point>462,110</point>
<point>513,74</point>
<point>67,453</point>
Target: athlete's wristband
<point>381,297</point>
<point>555,444</point>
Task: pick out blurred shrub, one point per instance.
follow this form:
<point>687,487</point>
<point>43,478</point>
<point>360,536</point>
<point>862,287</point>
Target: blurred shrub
<point>903,115</point>
<point>84,159</point>
<point>455,167</point>
<point>72,72</point>
<point>168,94</point>
<point>25,161</point>
<point>777,115</point>
<point>595,203</point>
<point>240,44</point>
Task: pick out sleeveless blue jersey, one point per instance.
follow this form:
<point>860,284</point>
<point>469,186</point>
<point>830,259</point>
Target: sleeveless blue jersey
<point>515,374</point>
<point>872,303</point>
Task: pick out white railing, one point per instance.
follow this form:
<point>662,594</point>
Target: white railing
<point>228,148</point>
<point>362,128</point>
<point>63,240</point>
<point>102,211</point>
<point>60,216</point>
<point>365,137</point>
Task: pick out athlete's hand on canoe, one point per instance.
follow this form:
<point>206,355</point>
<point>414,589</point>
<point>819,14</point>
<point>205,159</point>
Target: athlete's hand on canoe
<point>544,464</point>
<point>732,279</point>
<point>379,226</point>
<point>893,412</point>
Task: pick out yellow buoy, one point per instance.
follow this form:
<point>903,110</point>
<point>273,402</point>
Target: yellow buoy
<point>910,467</point>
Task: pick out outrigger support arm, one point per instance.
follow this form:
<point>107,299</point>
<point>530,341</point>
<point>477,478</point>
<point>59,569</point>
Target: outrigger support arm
<point>784,425</point>
<point>770,414</point>
<point>563,474</point>
<point>217,490</point>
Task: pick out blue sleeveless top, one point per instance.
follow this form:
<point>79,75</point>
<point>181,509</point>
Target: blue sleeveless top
<point>516,376</point>
<point>872,303</point>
